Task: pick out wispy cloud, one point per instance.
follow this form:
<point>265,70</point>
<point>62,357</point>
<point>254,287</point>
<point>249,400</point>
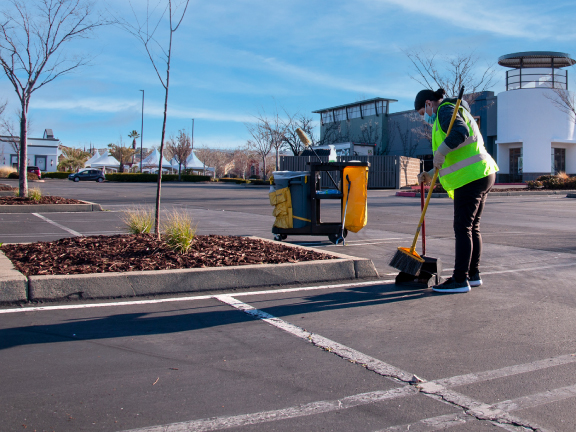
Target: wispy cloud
<point>111,105</point>
<point>514,20</point>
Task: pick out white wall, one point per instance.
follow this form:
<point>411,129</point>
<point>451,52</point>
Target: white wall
<point>36,147</point>
<point>527,116</point>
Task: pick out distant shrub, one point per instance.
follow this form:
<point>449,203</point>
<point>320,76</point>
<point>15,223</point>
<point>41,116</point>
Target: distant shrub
<point>57,175</point>
<point>232,180</point>
<point>560,181</point>
<point>30,176</point>
<point>6,171</point>
<point>254,176</point>
<point>147,178</point>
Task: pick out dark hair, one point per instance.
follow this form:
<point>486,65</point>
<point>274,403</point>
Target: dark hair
<point>425,95</point>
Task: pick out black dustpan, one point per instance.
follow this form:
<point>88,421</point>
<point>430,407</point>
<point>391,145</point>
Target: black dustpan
<point>429,274</point>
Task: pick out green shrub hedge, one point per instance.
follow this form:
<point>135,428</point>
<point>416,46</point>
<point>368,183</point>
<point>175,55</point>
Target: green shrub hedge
<point>143,178</point>
<point>56,175</point>
<point>260,182</point>
<point>232,180</point>
<point>15,176</point>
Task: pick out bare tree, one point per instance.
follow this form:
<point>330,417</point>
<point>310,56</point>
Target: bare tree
<point>274,129</point>
<point>291,138</point>
<point>121,153</point>
<point>179,149</point>
<point>565,101</point>
<point>409,144</point>
<point>243,158</point>
<point>145,30</point>
<point>451,72</point>
<point>336,132</point>
<point>260,143</point>
<point>369,132</point>
<point>33,34</point>
<point>205,155</point>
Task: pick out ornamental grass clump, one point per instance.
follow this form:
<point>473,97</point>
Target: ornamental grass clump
<point>5,171</point>
<point>179,231</point>
<point>138,220</point>
<point>35,194</point>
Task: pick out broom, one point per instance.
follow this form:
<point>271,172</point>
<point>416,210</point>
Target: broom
<point>407,260</point>
<point>308,144</point>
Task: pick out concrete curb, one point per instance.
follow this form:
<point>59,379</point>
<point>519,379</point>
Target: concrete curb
<point>13,284</point>
<point>51,208</point>
<point>161,282</point>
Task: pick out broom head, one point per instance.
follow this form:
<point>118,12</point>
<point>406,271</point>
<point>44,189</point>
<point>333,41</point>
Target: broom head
<point>303,137</point>
<point>407,261</point>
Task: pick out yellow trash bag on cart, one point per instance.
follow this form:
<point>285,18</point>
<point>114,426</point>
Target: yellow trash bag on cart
<point>357,213</point>
<point>282,202</point>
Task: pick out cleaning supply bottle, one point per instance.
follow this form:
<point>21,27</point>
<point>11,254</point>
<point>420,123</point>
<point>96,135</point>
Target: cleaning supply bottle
<point>333,156</point>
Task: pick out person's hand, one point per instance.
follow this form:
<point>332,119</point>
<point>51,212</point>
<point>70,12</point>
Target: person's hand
<point>439,159</point>
<point>424,177</point>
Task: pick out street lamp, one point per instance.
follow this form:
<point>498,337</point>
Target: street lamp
<point>142,131</point>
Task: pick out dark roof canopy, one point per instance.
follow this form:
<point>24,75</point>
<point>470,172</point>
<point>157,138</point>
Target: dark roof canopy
<point>536,59</point>
<point>355,104</point>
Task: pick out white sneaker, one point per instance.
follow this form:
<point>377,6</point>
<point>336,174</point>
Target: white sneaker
<point>474,280</point>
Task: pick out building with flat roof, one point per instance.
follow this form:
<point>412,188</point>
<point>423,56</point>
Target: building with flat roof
<point>364,122</point>
<point>42,152</point>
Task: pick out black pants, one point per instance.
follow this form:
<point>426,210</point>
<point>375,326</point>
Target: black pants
<point>468,206</point>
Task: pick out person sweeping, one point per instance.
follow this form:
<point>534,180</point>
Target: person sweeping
<point>467,173</point>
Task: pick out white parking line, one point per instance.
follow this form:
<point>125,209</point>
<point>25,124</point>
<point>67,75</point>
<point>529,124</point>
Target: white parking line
<point>225,422</point>
<point>71,231</point>
<point>340,350</point>
<point>191,298</point>
<point>471,407</point>
<point>444,422</point>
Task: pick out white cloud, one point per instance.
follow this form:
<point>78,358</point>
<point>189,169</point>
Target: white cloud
<point>514,20</point>
<point>112,105</point>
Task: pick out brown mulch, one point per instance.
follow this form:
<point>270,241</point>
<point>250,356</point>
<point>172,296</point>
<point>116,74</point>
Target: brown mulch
<point>43,200</point>
<point>119,253</point>
<point>5,187</point>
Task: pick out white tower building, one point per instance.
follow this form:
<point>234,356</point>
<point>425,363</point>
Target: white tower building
<point>535,137</point>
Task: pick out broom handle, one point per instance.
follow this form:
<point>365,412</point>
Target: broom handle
<point>436,171</point>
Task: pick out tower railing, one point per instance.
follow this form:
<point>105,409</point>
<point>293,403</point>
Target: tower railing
<point>524,78</point>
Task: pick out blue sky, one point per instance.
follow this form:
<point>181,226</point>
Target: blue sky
<point>234,58</point>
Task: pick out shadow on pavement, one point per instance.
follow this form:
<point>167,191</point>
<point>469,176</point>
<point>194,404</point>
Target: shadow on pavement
<point>145,324</point>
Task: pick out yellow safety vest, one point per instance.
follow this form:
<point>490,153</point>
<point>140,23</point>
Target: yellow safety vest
<point>469,161</point>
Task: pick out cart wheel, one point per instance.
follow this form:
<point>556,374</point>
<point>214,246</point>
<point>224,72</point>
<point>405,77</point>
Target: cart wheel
<point>337,238</point>
<point>334,238</point>
<point>280,237</point>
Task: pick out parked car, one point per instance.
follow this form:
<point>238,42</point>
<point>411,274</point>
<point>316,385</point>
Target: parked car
<point>88,175</point>
<point>34,170</point>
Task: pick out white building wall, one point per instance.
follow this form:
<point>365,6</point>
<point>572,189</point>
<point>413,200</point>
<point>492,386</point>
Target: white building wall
<point>45,149</point>
<point>529,119</point>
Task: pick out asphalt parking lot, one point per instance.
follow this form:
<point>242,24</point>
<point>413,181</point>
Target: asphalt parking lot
<point>334,358</point>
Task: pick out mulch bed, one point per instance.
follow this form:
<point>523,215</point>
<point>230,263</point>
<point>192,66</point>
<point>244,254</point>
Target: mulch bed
<point>43,200</point>
<point>4,187</point>
<point>120,253</point>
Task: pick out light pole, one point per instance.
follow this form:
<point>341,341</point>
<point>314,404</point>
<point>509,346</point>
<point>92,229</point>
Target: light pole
<point>142,130</point>
<point>192,136</point>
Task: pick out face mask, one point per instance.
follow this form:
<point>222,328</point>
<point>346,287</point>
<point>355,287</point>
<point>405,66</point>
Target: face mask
<point>430,119</point>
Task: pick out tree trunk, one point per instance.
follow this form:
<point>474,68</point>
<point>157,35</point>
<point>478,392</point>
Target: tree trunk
<point>264,165</point>
<point>179,172</point>
<point>159,187</point>
<point>23,157</point>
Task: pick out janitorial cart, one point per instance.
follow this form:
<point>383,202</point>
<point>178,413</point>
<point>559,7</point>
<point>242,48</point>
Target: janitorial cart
<point>297,197</point>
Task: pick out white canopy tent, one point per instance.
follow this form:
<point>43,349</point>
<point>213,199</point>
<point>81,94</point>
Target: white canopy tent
<point>106,161</point>
<point>152,160</point>
<point>94,158</point>
<point>196,164</point>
